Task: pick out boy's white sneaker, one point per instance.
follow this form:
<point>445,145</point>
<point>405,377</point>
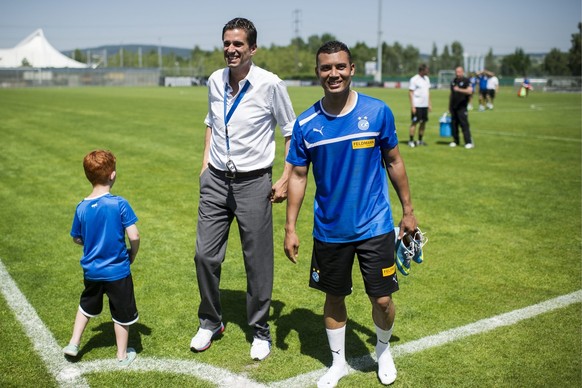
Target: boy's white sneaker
<point>260,349</point>
<point>203,338</point>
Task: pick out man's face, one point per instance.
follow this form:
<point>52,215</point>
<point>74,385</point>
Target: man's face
<point>459,72</point>
<point>424,72</point>
<point>237,52</point>
<point>334,71</point>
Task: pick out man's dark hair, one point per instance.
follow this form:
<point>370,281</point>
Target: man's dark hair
<point>331,47</point>
<point>422,67</point>
<point>245,25</point>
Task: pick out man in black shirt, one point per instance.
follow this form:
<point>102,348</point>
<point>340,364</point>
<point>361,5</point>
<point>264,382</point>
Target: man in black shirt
<point>461,90</point>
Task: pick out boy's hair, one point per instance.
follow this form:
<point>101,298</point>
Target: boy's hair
<point>331,47</point>
<point>99,165</point>
<point>245,25</point>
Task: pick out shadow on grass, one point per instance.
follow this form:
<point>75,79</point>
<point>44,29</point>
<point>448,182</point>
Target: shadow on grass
<point>308,325</point>
<point>105,337</point>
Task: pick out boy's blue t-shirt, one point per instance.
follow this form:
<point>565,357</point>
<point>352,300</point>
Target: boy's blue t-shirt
<point>101,222</point>
<point>352,202</point>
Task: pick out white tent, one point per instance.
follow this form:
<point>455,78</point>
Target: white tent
<point>37,52</point>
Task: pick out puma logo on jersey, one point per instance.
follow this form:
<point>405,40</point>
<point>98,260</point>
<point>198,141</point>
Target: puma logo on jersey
<point>320,131</point>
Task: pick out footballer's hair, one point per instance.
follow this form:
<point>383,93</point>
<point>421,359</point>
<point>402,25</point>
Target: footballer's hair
<point>245,25</point>
<point>99,165</point>
<point>332,47</point>
<point>422,67</point>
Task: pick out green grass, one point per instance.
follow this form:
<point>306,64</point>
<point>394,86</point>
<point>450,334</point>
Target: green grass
<point>503,220</point>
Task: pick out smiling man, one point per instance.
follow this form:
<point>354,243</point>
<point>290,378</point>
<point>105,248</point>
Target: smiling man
<point>348,138</point>
<point>245,103</point>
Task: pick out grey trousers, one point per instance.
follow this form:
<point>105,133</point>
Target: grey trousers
<point>221,200</point>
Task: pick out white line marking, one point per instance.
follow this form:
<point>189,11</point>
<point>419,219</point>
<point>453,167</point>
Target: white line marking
<point>71,375</point>
<point>42,339</point>
<point>442,338</point>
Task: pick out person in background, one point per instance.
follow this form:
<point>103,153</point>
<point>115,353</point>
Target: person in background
<point>492,88</point>
<point>460,91</point>
<point>420,105</point>
<point>245,103</point>
<point>352,213</point>
<point>482,78</point>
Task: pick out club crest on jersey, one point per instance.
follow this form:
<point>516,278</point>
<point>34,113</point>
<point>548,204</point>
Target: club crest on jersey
<point>315,275</point>
<point>363,123</point>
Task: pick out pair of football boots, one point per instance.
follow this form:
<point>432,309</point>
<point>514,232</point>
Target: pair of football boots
<point>408,249</point>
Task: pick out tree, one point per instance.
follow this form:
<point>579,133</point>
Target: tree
<point>516,64</point>
<point>490,63</point>
<point>576,53</point>
<point>556,63</point>
<point>457,58</point>
<point>361,54</point>
<point>446,60</point>
<point>433,62</point>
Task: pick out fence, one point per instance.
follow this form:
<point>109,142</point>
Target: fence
<point>36,77</point>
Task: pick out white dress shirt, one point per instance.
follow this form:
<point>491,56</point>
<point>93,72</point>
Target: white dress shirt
<point>251,128</point>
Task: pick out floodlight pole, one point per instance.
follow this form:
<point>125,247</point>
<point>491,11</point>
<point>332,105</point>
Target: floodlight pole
<point>378,75</point>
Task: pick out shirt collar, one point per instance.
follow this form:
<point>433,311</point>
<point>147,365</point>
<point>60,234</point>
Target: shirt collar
<point>251,77</point>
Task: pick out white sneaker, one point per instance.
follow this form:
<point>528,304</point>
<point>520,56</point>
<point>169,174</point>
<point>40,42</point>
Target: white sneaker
<point>452,144</point>
<point>469,146</point>
<point>260,349</point>
<point>411,144</point>
<point>203,338</point>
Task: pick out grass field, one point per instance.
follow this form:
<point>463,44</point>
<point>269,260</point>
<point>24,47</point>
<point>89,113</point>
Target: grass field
<point>503,220</point>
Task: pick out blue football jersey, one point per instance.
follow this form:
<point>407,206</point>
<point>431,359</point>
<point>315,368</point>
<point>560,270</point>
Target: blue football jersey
<point>352,202</point>
<point>101,223</point>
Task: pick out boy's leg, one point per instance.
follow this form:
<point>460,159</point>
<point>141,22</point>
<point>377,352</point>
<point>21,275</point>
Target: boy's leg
<point>121,339</point>
<point>81,321</point>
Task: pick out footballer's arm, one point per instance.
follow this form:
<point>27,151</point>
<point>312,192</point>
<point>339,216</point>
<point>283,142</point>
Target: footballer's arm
<point>295,195</point>
<point>397,174</point>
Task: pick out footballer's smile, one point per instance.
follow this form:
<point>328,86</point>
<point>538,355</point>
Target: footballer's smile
<point>335,71</point>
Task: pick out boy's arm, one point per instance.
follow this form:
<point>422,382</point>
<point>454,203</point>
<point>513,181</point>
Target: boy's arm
<point>133,236</point>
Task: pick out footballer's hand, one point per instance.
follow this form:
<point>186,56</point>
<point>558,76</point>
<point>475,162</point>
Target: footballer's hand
<point>408,225</point>
<point>291,246</point>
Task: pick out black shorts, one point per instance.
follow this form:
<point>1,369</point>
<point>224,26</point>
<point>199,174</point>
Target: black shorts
<point>483,93</point>
<point>491,93</point>
<point>331,266</point>
<point>121,300</point>
<point>421,116</point>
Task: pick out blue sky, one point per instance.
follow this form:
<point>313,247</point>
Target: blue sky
<point>502,25</point>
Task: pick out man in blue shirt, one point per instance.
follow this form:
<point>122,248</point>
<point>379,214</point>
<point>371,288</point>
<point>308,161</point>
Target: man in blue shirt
<point>348,138</point>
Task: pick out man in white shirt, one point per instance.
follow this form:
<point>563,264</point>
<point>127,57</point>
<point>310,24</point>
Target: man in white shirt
<point>418,92</point>
<point>492,87</point>
<point>245,103</point>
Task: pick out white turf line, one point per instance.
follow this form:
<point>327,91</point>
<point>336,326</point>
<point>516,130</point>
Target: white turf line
<point>71,374</point>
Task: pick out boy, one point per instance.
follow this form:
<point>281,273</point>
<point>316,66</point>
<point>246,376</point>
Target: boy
<point>100,223</point>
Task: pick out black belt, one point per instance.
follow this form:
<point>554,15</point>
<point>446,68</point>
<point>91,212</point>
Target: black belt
<point>239,174</point>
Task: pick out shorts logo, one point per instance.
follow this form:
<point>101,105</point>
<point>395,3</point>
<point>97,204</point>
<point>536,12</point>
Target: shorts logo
<point>315,275</point>
<point>363,123</point>
<point>388,271</point>
<point>358,144</point>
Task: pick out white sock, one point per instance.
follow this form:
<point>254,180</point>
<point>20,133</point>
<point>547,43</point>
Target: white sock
<point>339,367</point>
<point>386,367</point>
